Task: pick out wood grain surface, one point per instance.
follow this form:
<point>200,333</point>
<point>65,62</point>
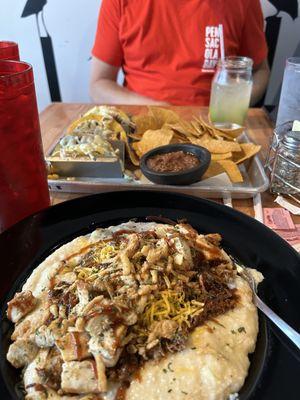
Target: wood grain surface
<point>57,116</point>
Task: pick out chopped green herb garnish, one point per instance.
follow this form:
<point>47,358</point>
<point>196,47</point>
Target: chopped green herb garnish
<point>242,329</point>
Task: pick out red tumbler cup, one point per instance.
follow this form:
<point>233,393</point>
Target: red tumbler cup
<point>23,180</point>
<point>9,51</point>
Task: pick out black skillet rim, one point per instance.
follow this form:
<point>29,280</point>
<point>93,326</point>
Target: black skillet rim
<point>59,210</point>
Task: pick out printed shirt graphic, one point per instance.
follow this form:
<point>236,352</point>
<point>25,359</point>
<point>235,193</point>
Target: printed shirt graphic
<point>168,49</point>
<point>214,47</point>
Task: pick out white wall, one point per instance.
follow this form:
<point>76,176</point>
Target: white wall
<point>72,24</point>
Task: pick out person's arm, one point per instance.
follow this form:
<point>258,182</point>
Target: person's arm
<point>261,76</point>
<point>105,89</point>
<point>108,58</point>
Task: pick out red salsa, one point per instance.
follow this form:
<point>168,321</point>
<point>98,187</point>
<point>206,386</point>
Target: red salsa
<point>176,161</point>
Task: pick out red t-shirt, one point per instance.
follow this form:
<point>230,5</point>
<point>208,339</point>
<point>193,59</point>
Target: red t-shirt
<point>168,49</point>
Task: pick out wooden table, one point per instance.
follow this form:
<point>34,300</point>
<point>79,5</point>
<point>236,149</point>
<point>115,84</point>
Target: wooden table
<point>58,116</point>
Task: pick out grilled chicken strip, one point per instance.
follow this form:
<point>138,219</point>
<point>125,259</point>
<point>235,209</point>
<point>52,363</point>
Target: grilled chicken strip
<point>20,305</point>
<point>22,352</point>
<point>74,346</point>
<point>79,377</point>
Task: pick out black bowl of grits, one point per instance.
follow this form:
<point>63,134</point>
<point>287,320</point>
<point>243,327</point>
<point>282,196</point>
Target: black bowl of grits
<point>175,164</point>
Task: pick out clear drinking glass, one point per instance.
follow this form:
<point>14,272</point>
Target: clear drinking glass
<point>9,51</point>
<point>231,90</point>
<point>289,105</point>
<point>23,181</point>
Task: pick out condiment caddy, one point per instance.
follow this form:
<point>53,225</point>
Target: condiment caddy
<point>283,161</point>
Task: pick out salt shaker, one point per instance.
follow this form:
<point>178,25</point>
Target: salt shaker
<point>285,177</point>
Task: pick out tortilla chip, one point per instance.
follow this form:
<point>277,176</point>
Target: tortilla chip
<point>231,170</point>
<point>222,135</point>
<point>135,136</point>
<point>177,128</point>
<point>135,146</point>
<point>152,139</point>
<point>215,135</point>
<point>206,137</point>
<point>217,146</point>
<point>213,170</point>
<point>191,129</point>
<point>232,133</point>
<point>224,156</point>
<point>163,116</point>
<point>134,159</point>
<point>176,140</point>
<point>181,134</point>
<point>202,122</point>
<point>248,150</point>
<point>199,130</point>
<point>220,142</point>
<point>206,127</point>
<point>116,127</point>
<point>144,122</point>
<point>138,173</point>
<point>216,132</point>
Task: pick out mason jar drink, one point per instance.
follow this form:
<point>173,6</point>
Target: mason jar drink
<point>231,90</point>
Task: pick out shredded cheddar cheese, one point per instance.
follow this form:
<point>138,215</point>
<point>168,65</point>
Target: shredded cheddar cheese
<point>170,305</point>
<point>107,252</point>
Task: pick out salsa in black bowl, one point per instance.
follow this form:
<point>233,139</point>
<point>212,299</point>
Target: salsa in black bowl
<point>175,164</point>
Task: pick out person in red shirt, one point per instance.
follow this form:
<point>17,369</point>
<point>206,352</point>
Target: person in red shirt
<point>168,49</point>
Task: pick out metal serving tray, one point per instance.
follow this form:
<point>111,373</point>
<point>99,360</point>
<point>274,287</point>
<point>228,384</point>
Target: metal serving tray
<point>104,167</point>
<point>255,181</point>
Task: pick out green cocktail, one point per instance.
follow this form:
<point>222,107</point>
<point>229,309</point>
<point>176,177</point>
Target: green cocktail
<point>231,91</point>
